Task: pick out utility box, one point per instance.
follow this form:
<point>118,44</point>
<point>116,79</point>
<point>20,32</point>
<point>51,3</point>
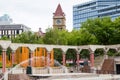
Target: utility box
<point>29,70</point>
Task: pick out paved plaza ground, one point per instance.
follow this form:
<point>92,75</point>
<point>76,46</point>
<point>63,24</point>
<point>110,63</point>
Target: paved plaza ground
<point>78,76</point>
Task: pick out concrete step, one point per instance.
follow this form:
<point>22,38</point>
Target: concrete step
<point>18,77</point>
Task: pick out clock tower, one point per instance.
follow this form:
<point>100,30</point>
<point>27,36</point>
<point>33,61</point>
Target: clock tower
<point>59,20</point>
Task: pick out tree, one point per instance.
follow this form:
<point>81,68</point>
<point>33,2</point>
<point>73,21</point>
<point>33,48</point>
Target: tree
<point>4,38</point>
<point>50,37</point>
<point>85,54</point>
<point>27,37</point>
<point>81,37</point>
<point>101,28</point>
<point>71,55</point>
<point>55,36</point>
<point>86,38</point>
<point>73,37</point>
<point>116,34</point>
<point>9,51</point>
<point>58,55</point>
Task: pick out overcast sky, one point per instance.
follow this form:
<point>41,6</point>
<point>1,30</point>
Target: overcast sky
<point>37,13</point>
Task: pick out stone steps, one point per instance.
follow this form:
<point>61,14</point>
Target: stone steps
<point>18,77</point>
<point>98,61</point>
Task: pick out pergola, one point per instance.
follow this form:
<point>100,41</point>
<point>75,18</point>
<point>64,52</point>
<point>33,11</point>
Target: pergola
<point>5,44</point>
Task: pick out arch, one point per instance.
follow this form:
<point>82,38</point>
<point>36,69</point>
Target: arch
<point>58,56</point>
<point>71,57</point>
<point>9,52</point>
<point>118,51</point>
<point>45,49</point>
<point>99,52</point>
<point>21,55</point>
<point>99,57</point>
<point>111,52</point>
<point>85,54</point>
<point>84,57</point>
<point>8,57</point>
<point>39,57</point>
<point>5,44</point>
<point>1,50</point>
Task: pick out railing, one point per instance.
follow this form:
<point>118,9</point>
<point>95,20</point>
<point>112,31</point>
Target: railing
<point>14,71</point>
<point>55,70</point>
<point>41,70</point>
<point>18,71</point>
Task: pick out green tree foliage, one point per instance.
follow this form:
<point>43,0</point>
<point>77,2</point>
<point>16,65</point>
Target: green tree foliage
<point>58,55</point>
<point>4,38</point>
<point>85,54</point>
<point>112,52</point>
<point>105,30</point>
<point>55,36</point>
<point>81,37</point>
<point>9,51</point>
<point>117,54</point>
<point>99,52</point>
<point>71,55</point>
<point>27,37</point>
<point>116,33</point>
<point>73,38</point>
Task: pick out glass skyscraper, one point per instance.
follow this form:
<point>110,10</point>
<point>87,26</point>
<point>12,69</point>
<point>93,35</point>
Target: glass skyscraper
<point>94,9</point>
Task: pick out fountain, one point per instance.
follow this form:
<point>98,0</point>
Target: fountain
<point>46,70</point>
<point>58,72</point>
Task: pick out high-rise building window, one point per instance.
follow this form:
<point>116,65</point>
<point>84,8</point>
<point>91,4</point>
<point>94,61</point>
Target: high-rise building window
<point>94,9</point>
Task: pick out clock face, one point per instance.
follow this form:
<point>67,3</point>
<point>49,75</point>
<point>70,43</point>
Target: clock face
<point>58,21</point>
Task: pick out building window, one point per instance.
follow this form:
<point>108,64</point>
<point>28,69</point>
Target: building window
<point>9,32</point>
<point>3,32</point>
<point>20,31</point>
<point>0,32</point>
<point>6,32</point>
<point>17,31</point>
<point>12,31</point>
<point>8,36</point>
<point>60,28</point>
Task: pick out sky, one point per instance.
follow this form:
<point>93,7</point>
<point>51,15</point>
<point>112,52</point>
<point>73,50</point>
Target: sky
<point>38,13</point>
